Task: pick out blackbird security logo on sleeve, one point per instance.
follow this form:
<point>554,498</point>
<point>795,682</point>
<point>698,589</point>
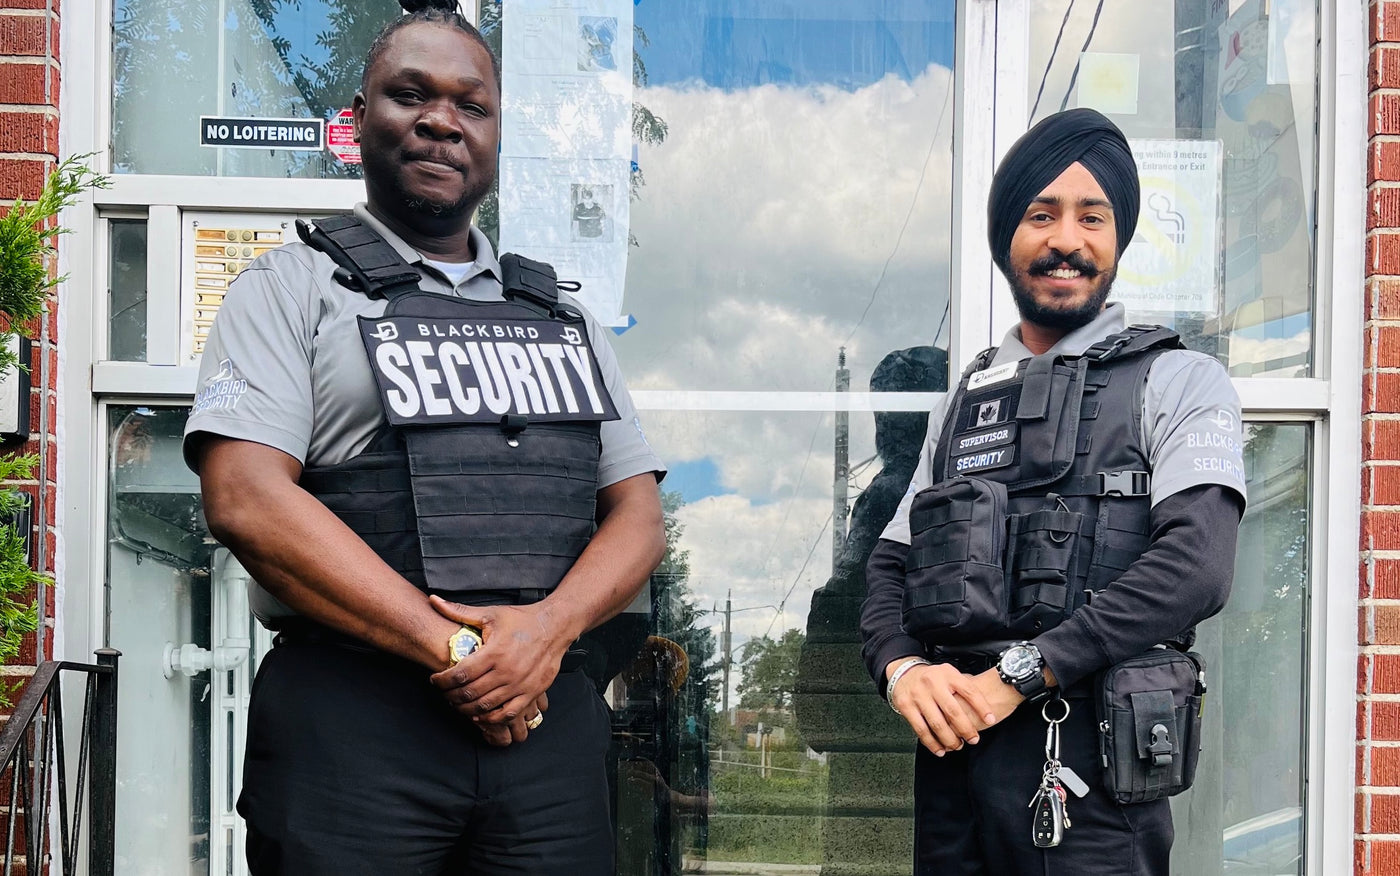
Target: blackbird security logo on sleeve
<point>445,371</point>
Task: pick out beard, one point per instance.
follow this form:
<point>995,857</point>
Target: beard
<point>1060,318</point>
<point>396,190</point>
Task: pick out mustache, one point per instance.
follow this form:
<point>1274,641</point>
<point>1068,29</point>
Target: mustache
<point>1046,264</point>
<point>439,157</point>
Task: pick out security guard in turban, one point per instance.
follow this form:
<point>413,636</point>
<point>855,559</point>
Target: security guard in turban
<point>1096,486</point>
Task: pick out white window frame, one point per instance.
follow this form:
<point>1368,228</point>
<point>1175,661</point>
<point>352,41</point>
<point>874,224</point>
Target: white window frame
<point>991,35</point>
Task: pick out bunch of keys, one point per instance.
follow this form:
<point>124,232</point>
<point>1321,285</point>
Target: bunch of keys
<point>1051,816</point>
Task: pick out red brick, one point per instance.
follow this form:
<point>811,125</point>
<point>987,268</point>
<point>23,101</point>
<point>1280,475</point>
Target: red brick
<point>1385,22</point>
<point>1384,68</point>
<point>1384,620</point>
<point>1385,767</point>
<point>29,132</point>
<point>1380,439</point>
<point>21,178</point>
<point>24,35</point>
<point>1384,205</point>
<point>22,82</point>
<point>1381,858</point>
<point>31,4</point>
<point>1383,252</point>
<point>1380,485</point>
<point>1384,162</point>
<point>1380,393</point>
<point>1385,579</point>
<point>1385,673</point>
<point>1385,113</point>
<point>1383,298</point>
<point>1384,813</point>
<point>1380,530</point>
<point>1385,722</point>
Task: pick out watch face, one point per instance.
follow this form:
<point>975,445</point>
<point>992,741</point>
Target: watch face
<point>463,642</point>
<point>1018,661</point>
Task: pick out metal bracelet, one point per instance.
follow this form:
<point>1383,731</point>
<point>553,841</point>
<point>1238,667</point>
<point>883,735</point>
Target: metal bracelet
<point>898,674</point>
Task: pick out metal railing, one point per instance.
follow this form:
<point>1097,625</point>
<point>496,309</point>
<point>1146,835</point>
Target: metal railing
<point>33,771</point>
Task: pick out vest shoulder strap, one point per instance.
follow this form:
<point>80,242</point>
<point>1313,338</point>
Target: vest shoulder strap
<point>1133,340</point>
<point>979,362</point>
<point>532,283</point>
<point>365,262</point>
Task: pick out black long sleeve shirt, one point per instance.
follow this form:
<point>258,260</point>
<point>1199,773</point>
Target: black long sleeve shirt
<point>1182,578</point>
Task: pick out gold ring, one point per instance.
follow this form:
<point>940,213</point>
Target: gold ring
<point>535,721</point>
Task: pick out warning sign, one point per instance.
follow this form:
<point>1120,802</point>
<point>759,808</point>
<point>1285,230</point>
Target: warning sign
<point>1173,262</point>
<point>340,137</point>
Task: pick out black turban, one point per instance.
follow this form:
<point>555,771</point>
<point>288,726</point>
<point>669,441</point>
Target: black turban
<point>1046,151</point>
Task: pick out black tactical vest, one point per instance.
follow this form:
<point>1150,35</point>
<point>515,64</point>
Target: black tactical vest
<point>485,476</point>
<point>1041,493</point>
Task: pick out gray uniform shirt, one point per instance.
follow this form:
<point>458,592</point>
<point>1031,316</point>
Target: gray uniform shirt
<point>1190,419</point>
<point>285,365</point>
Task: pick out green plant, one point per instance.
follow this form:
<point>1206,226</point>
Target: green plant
<point>27,233</point>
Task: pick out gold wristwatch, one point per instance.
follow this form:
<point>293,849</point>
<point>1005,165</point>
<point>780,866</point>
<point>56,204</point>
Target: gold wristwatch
<point>462,643</point>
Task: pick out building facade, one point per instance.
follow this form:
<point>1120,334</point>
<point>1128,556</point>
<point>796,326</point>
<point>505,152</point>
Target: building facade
<point>778,206</point>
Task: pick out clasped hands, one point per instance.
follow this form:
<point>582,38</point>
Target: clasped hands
<point>947,708</point>
<point>503,683</point>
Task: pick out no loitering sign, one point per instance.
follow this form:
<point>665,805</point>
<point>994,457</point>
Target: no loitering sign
<point>254,133</point>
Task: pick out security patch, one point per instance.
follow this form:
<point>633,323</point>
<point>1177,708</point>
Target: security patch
<point>448,370</point>
<point>985,438</point>
<point>985,461</point>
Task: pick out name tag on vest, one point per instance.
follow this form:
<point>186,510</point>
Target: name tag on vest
<point>446,371</point>
<point>991,376</point>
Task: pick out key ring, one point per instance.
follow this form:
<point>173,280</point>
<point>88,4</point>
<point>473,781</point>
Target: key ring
<point>1045,710</point>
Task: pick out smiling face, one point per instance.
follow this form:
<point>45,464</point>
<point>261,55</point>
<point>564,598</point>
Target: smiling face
<point>428,124</point>
<point>1064,253</point>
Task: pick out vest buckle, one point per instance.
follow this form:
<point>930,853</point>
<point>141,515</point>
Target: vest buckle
<point>1108,347</point>
<point>1125,483</point>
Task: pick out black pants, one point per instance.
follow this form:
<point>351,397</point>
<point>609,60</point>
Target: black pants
<point>356,765</point>
<point>972,815</point>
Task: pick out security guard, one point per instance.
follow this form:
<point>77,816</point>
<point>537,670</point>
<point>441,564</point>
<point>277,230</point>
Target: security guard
<point>1076,503</point>
<point>406,442</point>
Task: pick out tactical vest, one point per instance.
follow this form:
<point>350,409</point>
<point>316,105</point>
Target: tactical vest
<point>485,476</point>
<point>1040,495</point>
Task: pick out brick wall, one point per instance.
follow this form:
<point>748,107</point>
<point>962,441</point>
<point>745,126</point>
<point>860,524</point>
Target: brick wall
<point>29,91</point>
<point>1378,672</point>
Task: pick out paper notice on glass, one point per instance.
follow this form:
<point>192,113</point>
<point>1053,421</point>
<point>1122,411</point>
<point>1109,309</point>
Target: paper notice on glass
<point>1173,263</point>
<point>566,142</point>
<point>574,215</point>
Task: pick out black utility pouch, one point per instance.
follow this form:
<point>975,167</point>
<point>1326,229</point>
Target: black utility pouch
<point>1149,710</point>
<point>954,588</point>
<point>1044,550</point>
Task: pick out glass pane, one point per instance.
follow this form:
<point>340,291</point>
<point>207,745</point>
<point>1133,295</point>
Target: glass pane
<point>177,60</point>
<point>158,595</point>
<point>1244,816</point>
<point>782,755</point>
<point>789,194</point>
<point>789,758</point>
<point>1219,99</point>
<point>126,290</point>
